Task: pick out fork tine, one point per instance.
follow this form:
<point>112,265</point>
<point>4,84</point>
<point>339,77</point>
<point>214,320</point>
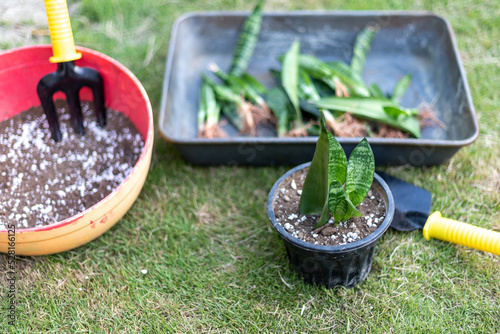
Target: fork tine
<point>98,92</point>
<point>45,92</point>
<point>73,98</point>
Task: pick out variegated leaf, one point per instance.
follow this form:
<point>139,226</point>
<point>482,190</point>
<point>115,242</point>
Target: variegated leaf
<point>360,172</point>
<point>351,211</point>
<point>337,161</point>
<point>337,201</point>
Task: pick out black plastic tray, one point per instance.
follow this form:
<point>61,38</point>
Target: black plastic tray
<point>419,43</point>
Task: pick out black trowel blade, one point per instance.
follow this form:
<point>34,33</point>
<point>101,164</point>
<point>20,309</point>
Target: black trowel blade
<point>413,203</point>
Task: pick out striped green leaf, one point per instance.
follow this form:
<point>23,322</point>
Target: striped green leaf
<point>360,172</point>
<point>361,48</point>
<point>247,41</point>
<point>351,211</point>
<point>337,161</point>
<point>337,201</point>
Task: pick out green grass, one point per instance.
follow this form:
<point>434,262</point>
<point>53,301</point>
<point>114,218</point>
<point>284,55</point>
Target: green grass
<point>202,233</point>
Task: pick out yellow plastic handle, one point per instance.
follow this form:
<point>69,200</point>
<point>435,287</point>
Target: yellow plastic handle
<point>461,233</point>
<point>63,45</point>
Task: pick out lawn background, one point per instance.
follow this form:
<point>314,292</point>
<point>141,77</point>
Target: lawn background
<point>214,265</point>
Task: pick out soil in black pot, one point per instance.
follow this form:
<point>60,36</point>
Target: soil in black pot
<point>43,182</point>
<point>286,210</point>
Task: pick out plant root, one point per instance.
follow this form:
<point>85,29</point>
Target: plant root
<point>386,131</point>
<point>340,88</point>
<point>212,131</point>
<point>348,126</point>
<point>427,116</point>
<point>262,114</point>
<point>245,112</point>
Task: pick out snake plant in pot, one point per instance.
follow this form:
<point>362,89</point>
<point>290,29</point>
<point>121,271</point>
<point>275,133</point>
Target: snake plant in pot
<point>331,212</point>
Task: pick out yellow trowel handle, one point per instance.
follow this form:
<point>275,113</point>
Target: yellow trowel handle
<point>461,233</point>
<point>63,45</point>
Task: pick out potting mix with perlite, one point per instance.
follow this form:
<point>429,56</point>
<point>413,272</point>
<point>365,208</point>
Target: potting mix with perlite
<point>44,182</point>
<point>286,208</point>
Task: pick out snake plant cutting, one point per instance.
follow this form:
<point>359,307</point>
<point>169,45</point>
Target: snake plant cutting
<point>334,184</point>
<point>239,95</point>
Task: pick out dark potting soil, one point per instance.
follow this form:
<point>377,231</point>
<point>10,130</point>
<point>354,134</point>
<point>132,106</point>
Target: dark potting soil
<point>286,210</point>
<point>43,182</point>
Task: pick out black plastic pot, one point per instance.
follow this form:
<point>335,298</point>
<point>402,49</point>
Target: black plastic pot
<point>345,265</point>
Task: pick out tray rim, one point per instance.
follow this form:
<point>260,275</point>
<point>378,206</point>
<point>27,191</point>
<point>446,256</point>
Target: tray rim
<point>313,139</point>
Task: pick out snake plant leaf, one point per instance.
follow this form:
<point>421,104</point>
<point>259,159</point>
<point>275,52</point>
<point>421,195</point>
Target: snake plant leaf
<point>213,107</point>
<point>337,201</point>
<point>372,109</point>
<point>239,86</point>
<point>351,211</point>
<point>276,75</point>
<point>360,172</point>
<point>202,107</point>
<point>210,108</point>
<point>278,102</point>
<point>307,90</point>
<point>328,72</point>
<point>325,214</point>
<point>323,89</point>
<point>290,76</point>
<point>247,90</point>
<point>314,67</point>
<point>349,78</point>
<point>222,92</point>
<point>375,91</point>
<point>395,112</point>
<point>227,94</point>
<point>315,189</point>
<point>400,88</point>
<point>247,41</point>
<point>309,108</point>
<point>361,48</point>
<point>313,130</point>
<point>337,161</point>
<point>229,110</point>
<point>254,83</point>
<point>218,72</point>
